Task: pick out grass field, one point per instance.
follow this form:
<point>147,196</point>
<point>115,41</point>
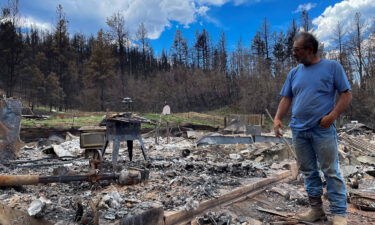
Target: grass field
<point>78,119</point>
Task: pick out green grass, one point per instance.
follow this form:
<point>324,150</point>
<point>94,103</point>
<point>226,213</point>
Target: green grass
<point>77,119</point>
<point>225,111</point>
<point>62,122</point>
<point>177,119</point>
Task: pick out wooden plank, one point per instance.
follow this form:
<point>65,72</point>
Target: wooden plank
<point>274,212</point>
<point>285,215</point>
<point>173,218</point>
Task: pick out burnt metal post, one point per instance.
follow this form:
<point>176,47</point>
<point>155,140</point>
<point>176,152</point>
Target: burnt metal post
<point>128,102</point>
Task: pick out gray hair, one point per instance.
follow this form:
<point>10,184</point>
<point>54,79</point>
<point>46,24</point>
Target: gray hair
<point>309,41</point>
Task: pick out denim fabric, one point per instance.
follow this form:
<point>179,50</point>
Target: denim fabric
<point>316,149</point>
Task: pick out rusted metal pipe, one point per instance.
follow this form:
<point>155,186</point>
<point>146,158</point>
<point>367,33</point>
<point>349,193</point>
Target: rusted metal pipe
<point>14,180</point>
<point>127,177</point>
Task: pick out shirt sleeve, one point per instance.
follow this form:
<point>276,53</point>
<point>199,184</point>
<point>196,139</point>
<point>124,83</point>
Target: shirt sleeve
<point>286,90</point>
<point>340,79</point>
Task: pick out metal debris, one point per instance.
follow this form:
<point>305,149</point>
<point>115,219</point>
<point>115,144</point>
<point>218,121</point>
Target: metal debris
<point>36,207</point>
<point>10,124</point>
<point>214,218</point>
<point>181,176</point>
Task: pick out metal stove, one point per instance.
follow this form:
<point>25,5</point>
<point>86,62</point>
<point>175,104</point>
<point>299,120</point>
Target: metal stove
<point>124,127</point>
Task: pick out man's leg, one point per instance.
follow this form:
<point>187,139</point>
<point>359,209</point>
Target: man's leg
<point>307,161</point>
<point>325,146</point>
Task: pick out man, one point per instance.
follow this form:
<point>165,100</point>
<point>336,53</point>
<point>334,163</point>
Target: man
<point>311,89</point>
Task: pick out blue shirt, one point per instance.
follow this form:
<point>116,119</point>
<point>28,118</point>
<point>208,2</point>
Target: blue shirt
<point>313,91</point>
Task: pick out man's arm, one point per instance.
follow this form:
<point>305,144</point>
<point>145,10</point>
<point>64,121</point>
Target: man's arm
<point>283,108</point>
<point>342,104</point>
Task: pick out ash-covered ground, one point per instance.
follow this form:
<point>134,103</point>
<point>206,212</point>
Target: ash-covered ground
<point>181,176</point>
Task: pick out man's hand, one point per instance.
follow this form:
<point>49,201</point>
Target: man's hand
<point>277,125</point>
<point>343,102</point>
<point>284,104</point>
<point>327,120</point>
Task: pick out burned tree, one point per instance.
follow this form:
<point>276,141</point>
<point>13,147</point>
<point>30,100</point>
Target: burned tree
<point>203,50</point>
<point>120,35</point>
<point>179,49</point>
<point>141,36</point>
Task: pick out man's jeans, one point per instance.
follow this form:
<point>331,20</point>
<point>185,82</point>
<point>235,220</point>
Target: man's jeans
<point>316,149</point>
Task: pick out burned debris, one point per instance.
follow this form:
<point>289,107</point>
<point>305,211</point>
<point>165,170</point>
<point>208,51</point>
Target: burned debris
<point>177,180</point>
<point>10,125</point>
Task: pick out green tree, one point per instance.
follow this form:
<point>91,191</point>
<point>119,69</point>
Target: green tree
<point>61,50</point>
<point>11,45</point>
<point>100,70</point>
<point>53,90</point>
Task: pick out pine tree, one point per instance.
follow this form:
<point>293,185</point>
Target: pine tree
<point>100,70</point>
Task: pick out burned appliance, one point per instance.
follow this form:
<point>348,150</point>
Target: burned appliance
<point>124,127</point>
<point>92,139</point>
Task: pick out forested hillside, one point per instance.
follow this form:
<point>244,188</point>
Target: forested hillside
<point>65,70</point>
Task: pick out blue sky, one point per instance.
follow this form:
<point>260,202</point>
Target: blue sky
<point>237,18</point>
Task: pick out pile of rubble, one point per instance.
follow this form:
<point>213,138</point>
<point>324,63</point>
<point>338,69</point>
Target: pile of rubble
<point>181,175</point>
<point>357,151</point>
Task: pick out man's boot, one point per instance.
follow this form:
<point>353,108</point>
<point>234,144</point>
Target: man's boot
<point>339,220</point>
<point>315,211</point>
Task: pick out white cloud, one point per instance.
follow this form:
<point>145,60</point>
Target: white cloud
<point>303,7</point>
<point>222,2</point>
<point>202,10</point>
<point>156,15</point>
<point>240,2</point>
<point>30,22</point>
<point>213,2</point>
<point>343,12</point>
